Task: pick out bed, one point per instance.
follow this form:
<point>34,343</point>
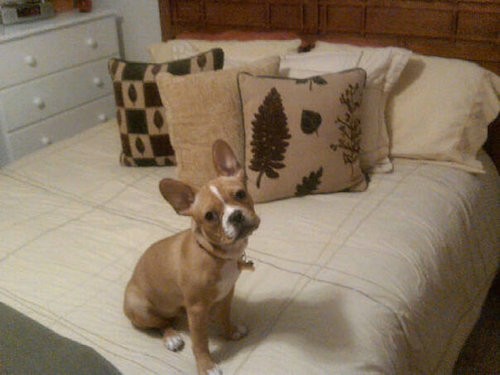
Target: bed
<point>386,281</point>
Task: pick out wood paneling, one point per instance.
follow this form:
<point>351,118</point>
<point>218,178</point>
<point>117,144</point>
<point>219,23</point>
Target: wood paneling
<point>414,21</point>
<point>343,17</point>
<point>188,11</point>
<point>286,17</point>
<point>478,22</point>
<point>216,15</point>
<point>236,14</point>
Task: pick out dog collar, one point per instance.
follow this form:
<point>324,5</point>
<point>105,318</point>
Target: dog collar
<point>243,263</point>
<point>213,251</point>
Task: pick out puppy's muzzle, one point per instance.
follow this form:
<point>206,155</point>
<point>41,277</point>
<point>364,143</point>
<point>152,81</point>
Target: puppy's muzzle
<point>237,218</point>
<point>245,224</point>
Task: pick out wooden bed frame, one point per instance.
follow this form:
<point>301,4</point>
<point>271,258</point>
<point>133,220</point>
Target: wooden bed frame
<point>464,29</point>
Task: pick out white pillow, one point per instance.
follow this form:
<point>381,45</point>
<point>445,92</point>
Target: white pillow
<point>399,59</point>
<point>383,67</point>
<point>440,111</point>
<point>236,53</point>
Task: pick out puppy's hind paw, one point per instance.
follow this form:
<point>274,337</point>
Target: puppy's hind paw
<point>174,343</point>
<point>239,331</point>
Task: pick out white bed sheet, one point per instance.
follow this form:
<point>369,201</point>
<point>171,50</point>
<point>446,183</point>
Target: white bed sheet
<point>388,281</point>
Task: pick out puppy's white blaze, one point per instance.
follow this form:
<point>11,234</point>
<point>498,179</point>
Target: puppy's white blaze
<point>216,192</point>
<point>229,228</point>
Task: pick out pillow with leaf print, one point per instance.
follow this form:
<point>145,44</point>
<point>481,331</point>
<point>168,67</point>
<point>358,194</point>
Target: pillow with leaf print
<point>302,136</point>
<point>383,67</point>
<point>140,113</point>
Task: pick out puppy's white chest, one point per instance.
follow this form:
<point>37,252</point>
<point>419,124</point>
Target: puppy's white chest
<point>229,275</point>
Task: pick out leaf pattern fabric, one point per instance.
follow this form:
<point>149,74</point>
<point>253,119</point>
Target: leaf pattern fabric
<point>202,61</point>
<point>269,135</point>
<point>309,183</point>
<point>349,126</point>
<point>318,80</point>
<point>295,143</point>
<point>310,121</point>
<point>158,120</point>
<point>139,144</point>
<point>140,112</point>
<point>132,93</point>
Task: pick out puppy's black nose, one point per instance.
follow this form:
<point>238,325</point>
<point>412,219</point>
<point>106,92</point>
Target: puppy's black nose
<point>236,217</point>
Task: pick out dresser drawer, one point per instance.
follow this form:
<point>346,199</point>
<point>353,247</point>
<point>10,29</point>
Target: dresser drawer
<point>45,97</point>
<point>48,52</point>
<point>64,125</point>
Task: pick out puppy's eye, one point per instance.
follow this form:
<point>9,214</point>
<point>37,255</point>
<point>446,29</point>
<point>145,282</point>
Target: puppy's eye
<point>240,195</point>
<point>210,216</point>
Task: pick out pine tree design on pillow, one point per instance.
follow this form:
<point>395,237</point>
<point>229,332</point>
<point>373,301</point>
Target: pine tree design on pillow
<point>269,134</point>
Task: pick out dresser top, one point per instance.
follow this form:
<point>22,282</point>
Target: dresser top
<point>64,19</point>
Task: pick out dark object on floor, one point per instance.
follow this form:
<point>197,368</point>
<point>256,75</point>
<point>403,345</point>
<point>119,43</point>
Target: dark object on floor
<point>27,347</point>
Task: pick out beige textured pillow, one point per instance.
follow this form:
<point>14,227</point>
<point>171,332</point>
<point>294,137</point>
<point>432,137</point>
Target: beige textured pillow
<point>202,108</point>
<point>236,53</point>
<point>302,136</point>
<point>440,111</point>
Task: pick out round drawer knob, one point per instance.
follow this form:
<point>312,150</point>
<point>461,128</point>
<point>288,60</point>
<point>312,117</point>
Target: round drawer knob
<point>30,60</point>
<point>102,117</point>
<point>98,82</point>
<point>45,141</point>
<point>39,103</point>
<point>91,42</point>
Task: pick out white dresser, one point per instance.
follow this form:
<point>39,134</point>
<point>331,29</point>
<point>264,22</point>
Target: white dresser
<point>53,79</point>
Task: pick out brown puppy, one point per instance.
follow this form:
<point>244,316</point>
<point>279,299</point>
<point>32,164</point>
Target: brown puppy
<point>196,269</point>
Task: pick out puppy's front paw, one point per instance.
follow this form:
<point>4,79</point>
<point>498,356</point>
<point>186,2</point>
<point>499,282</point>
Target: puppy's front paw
<point>214,371</point>
<point>174,343</point>
<point>238,332</point>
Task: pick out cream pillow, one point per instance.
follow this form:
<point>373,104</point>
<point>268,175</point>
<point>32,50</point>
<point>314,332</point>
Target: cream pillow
<point>201,108</point>
<point>440,111</point>
<point>236,53</point>
<point>302,136</point>
<point>383,66</point>
<point>399,59</point>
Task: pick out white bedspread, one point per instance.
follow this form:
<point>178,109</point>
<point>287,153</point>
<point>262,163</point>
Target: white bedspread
<point>386,281</point>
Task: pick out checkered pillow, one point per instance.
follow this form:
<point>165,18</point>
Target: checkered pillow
<point>140,113</point>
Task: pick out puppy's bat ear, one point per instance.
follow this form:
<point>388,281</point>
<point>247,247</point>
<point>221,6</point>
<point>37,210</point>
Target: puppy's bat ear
<point>181,196</point>
<point>225,161</point>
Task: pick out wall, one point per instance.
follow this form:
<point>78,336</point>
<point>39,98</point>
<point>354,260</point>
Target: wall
<point>139,25</point>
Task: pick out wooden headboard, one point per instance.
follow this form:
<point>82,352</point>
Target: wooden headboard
<point>465,29</point>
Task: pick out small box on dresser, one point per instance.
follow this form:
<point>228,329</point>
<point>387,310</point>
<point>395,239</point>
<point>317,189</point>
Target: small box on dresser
<point>53,79</point>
